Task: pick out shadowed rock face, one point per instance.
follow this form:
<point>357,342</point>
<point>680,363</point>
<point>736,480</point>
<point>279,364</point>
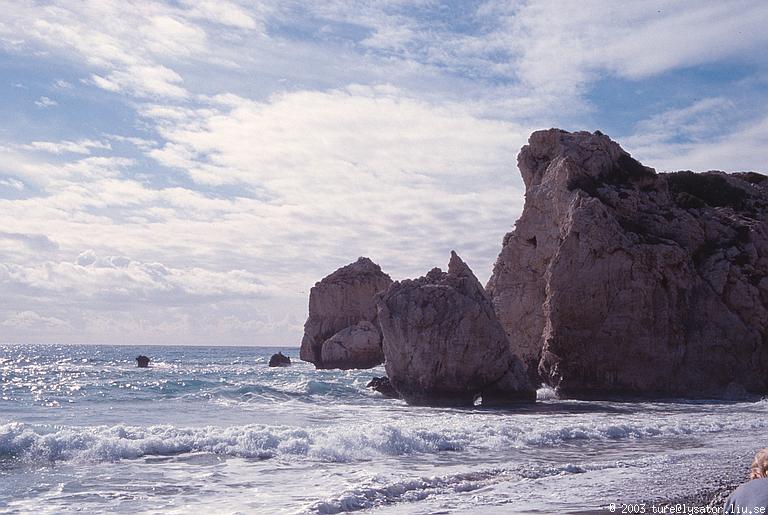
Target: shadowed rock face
<point>279,360</point>
<point>336,305</point>
<point>619,280</point>
<point>383,386</point>
<point>444,345</point>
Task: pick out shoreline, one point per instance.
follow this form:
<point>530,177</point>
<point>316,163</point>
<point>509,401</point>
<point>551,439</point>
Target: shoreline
<point>713,496</point>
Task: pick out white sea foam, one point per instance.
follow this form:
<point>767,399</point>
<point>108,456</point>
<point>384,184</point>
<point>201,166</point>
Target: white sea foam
<point>354,442</point>
<point>546,393</point>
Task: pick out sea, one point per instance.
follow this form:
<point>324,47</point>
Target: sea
<point>215,430</point>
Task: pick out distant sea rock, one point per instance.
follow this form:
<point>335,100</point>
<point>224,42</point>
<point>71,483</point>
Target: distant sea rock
<point>621,280</point>
<point>279,360</point>
<point>333,334</point>
<point>142,361</point>
<point>444,345</point>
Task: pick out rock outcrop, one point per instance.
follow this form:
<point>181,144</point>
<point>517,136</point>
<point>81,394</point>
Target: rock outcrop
<point>621,280</point>
<point>383,386</point>
<point>279,360</point>
<point>333,337</point>
<point>444,345</point>
<point>357,346</point>
<point>142,361</point>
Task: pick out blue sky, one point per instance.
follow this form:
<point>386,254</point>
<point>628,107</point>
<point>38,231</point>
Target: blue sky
<point>183,172</point>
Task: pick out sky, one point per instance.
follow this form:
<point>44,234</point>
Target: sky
<point>183,172</point>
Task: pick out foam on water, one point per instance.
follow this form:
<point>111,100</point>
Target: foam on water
<point>352,442</point>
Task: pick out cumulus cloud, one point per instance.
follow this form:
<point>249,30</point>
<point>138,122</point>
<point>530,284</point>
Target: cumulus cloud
<point>372,166</point>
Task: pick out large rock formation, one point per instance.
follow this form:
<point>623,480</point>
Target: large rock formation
<point>444,345</point>
<point>336,305</point>
<point>619,280</point>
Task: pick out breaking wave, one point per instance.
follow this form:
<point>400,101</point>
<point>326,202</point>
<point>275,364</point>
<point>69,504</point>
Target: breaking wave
<point>358,442</point>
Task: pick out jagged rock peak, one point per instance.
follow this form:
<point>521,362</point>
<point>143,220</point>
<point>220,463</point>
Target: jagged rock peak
<point>443,343</point>
<point>457,267</point>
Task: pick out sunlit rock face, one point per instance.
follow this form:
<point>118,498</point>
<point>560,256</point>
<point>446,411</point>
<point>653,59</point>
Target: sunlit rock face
<point>621,280</point>
<point>444,345</point>
<point>356,346</point>
<point>333,337</point>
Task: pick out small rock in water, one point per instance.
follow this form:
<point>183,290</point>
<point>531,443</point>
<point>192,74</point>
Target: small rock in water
<point>383,386</point>
<point>279,360</point>
<point>142,361</point>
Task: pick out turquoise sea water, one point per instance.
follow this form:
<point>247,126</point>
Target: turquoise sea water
<point>214,430</point>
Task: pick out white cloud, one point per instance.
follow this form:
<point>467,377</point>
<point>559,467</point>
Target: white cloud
<point>168,35</point>
<point>560,45</point>
<point>44,102</point>
<point>143,81</point>
<point>36,242</point>
<point>113,277</point>
<point>12,183</point>
<point>62,84</point>
<point>224,12</point>
<point>83,146</point>
<point>126,42</point>
<point>140,143</point>
<point>373,167</point>
<point>31,320</point>
<point>738,149</point>
<point>130,47</point>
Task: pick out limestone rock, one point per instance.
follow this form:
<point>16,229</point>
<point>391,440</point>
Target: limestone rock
<point>619,280</point>
<point>340,301</point>
<point>444,345</point>
<point>357,346</point>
